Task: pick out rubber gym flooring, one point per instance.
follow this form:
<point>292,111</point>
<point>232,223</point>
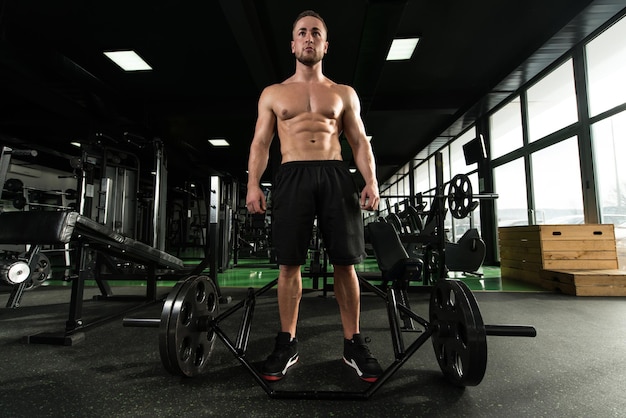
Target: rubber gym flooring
<point>573,368</point>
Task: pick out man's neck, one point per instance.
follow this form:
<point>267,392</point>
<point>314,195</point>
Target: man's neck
<point>309,73</point>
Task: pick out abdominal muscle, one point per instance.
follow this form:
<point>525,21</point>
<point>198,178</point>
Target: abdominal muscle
<point>309,136</point>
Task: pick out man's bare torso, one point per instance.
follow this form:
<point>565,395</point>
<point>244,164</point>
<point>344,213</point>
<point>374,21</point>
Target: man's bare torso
<point>309,119</point>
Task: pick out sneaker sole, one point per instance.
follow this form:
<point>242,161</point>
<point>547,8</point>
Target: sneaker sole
<point>281,374</point>
<point>369,379</point>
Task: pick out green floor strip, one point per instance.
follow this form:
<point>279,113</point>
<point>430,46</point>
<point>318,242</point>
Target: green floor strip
<point>252,273</point>
<point>256,273</point>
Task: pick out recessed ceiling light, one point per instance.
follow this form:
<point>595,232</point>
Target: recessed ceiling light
<point>402,49</point>
<point>219,142</point>
<point>128,60</point>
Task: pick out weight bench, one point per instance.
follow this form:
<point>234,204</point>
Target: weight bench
<point>38,228</point>
<point>392,258</point>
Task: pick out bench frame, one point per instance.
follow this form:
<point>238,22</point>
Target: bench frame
<point>89,241</point>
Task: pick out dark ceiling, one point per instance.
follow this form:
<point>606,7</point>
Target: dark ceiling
<point>211,60</point>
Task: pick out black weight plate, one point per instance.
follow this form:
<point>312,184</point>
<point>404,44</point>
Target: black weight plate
<point>460,197</point>
<point>14,185</point>
<point>166,313</point>
<point>185,342</point>
<point>459,337</point>
<point>19,202</point>
<point>39,272</point>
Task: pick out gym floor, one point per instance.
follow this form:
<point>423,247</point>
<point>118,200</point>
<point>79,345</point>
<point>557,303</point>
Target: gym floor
<point>573,368</point>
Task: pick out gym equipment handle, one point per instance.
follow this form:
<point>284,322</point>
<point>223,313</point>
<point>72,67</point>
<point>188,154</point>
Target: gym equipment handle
<point>141,322</point>
<point>511,330</point>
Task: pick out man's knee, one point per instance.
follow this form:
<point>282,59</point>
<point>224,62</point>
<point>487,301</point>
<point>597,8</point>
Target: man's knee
<point>342,270</point>
<point>289,272</point>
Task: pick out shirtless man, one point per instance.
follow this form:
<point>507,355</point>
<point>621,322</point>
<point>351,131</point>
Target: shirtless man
<point>309,112</point>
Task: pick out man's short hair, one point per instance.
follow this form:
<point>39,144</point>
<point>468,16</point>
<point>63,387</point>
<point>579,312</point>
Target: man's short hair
<point>309,13</point>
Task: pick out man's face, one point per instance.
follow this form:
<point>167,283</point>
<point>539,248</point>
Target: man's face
<point>309,43</point>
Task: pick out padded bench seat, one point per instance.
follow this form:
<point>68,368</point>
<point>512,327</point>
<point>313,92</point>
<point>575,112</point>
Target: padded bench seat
<point>49,228</point>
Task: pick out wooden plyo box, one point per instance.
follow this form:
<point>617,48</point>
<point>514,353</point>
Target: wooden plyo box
<point>560,256</point>
<point>586,282</point>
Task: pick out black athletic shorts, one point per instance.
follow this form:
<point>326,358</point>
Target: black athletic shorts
<point>306,189</point>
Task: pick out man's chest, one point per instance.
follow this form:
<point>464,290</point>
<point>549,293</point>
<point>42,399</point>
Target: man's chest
<point>301,101</point>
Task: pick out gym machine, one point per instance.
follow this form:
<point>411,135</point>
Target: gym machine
<point>28,269</point>
<point>219,230</point>
<point>102,248</point>
<point>427,237</point>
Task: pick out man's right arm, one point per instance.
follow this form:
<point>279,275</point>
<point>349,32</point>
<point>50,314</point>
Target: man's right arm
<point>259,153</point>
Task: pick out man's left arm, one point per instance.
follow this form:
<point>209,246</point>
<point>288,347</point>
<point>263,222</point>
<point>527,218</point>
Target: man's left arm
<point>354,130</point>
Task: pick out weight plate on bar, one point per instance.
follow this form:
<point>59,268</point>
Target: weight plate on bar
<point>460,197</point>
<point>39,273</point>
<point>14,185</point>
<point>459,337</point>
<point>19,202</point>
<point>185,340</point>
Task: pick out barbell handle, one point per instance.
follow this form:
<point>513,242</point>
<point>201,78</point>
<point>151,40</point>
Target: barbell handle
<point>141,322</point>
<point>511,330</point>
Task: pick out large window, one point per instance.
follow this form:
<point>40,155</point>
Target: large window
<point>556,184</point>
<point>395,194</point>
<point>510,185</point>
<point>421,177</point>
<point>457,156</point>
<point>606,69</point>
<point>552,102</point>
<point>506,129</point>
<point>609,149</point>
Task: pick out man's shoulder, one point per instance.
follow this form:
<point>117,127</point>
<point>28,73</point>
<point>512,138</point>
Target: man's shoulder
<point>272,87</point>
<point>271,91</point>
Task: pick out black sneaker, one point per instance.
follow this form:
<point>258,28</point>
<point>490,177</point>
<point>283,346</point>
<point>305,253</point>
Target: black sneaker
<point>284,356</point>
<point>357,355</point>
